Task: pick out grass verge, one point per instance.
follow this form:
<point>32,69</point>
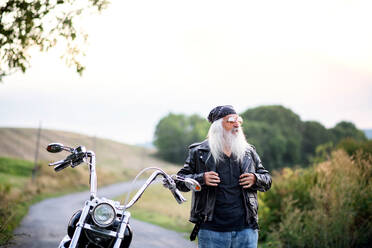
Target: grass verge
<point>18,191</point>
<point>158,206</point>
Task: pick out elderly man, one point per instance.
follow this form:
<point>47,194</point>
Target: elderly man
<point>230,172</point>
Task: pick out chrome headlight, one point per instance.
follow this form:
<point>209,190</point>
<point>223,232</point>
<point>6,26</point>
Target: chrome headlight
<point>104,214</point>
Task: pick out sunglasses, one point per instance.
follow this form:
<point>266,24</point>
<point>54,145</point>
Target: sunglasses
<point>233,119</point>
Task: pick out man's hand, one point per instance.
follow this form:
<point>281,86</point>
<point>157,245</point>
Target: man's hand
<point>247,180</point>
<point>211,178</point>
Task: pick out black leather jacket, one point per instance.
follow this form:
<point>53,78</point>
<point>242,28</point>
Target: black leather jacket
<point>199,161</point>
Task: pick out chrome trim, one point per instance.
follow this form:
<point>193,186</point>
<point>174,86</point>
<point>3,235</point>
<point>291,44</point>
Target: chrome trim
<point>92,174</point>
<point>79,225</point>
<point>101,231</point>
<point>143,188</point>
<point>123,226</point>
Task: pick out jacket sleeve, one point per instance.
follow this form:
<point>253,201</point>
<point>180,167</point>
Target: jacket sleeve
<point>189,171</point>
<point>263,178</point>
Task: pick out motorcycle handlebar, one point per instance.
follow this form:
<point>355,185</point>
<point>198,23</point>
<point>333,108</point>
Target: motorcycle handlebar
<point>168,181</point>
<point>76,157</point>
<point>62,166</point>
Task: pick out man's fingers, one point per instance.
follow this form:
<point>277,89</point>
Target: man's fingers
<point>246,182</point>
<point>214,177</point>
<point>212,173</point>
<point>212,183</point>
<point>244,175</point>
<point>211,178</point>
<point>247,179</point>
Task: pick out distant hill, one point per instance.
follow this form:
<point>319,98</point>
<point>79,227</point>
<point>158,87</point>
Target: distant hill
<point>368,133</point>
<point>114,157</point>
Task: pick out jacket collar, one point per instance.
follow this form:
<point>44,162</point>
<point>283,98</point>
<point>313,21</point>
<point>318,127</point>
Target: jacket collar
<point>204,146</point>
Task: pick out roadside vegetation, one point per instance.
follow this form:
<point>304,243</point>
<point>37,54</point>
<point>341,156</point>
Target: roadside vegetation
<point>18,191</point>
<point>326,205</point>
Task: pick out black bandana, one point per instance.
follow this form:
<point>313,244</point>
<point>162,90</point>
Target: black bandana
<point>220,112</point>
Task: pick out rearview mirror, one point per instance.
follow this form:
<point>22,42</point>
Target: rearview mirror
<point>54,147</point>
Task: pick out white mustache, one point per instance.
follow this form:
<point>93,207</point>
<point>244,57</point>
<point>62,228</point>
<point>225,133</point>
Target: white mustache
<point>235,130</point>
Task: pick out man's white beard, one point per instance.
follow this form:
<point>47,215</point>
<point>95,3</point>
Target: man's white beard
<point>233,140</point>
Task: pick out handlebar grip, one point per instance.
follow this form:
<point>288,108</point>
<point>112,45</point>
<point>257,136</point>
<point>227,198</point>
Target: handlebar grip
<point>62,165</point>
<point>178,196</point>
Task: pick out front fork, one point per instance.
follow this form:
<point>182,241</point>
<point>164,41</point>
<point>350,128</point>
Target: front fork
<point>122,228</point>
<point>79,225</point>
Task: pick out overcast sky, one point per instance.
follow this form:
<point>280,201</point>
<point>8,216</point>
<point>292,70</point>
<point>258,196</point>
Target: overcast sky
<point>148,58</point>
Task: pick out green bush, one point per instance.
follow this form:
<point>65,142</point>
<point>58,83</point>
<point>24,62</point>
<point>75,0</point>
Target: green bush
<point>352,146</point>
<point>327,205</point>
<point>289,186</point>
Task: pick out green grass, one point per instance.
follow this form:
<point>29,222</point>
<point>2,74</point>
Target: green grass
<point>158,206</point>
<point>13,175</point>
<point>15,167</point>
<point>162,220</point>
<point>20,209</point>
<point>17,193</point>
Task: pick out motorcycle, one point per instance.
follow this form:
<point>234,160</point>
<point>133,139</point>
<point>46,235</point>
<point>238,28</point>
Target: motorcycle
<point>104,222</point>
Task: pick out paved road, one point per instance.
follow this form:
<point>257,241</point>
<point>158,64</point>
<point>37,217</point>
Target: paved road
<point>46,223</point>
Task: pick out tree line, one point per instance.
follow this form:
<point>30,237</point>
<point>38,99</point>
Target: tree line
<point>279,135</point>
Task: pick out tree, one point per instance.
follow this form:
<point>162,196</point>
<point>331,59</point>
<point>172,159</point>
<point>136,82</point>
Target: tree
<point>313,135</point>
<point>346,129</point>
<point>174,133</point>
<point>269,142</point>
<point>283,133</point>
<point>41,24</point>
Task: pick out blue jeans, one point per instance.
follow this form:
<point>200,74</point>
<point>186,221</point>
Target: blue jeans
<point>246,238</point>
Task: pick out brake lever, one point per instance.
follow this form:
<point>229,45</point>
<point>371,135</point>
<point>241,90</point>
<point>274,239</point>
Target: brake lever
<point>57,163</point>
<point>178,196</point>
<point>169,183</point>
